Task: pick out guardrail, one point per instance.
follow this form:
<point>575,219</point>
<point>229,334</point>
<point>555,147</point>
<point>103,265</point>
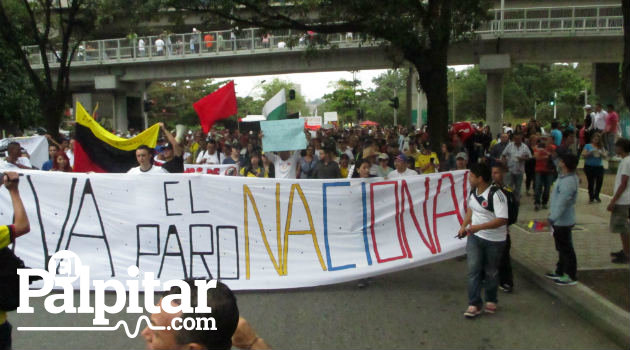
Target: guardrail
<point>535,21</point>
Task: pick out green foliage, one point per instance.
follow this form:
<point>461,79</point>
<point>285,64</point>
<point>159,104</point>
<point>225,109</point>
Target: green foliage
<point>522,86</point>
<point>271,88</point>
<point>174,99</point>
<point>348,97</point>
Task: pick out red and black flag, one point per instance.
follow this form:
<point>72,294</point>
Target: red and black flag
<point>98,150</point>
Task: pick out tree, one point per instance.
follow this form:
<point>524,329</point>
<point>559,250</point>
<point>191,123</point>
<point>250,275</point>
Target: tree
<point>386,86</point>
<point>271,88</point>
<point>56,28</point>
<point>418,31</point>
<point>18,104</point>
<point>174,100</point>
<point>346,100</point>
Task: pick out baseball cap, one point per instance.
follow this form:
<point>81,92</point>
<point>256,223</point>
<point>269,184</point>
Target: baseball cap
<point>588,107</point>
<point>462,155</point>
<point>383,156</point>
<point>401,157</point>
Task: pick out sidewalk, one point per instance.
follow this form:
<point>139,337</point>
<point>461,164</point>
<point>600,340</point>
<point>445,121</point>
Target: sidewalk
<point>534,254</point>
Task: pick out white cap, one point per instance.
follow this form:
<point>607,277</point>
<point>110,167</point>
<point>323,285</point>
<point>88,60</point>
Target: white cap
<point>587,107</point>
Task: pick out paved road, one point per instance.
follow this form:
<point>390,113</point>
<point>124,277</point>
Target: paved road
<point>418,308</point>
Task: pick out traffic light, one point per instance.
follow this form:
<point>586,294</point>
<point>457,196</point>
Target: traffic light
<point>552,103</point>
<point>291,94</point>
<point>395,102</point>
<point>359,114</point>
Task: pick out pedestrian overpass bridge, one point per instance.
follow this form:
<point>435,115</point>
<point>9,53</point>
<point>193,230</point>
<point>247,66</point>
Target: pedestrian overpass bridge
<point>124,66</point>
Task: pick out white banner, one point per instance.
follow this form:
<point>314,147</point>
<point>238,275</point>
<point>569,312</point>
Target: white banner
<point>36,146</point>
<point>251,233</point>
<point>330,117</point>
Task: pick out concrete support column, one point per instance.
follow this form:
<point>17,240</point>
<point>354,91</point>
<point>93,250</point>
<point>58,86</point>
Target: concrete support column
<point>85,99</point>
<point>120,112</point>
<point>606,82</point>
<point>494,101</point>
<point>494,66</point>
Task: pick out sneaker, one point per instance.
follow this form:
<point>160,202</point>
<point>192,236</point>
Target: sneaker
<point>490,308</point>
<point>536,207</point>
<point>565,280</point>
<point>544,206</point>
<point>472,312</point>
<point>620,259</point>
<point>616,254</point>
<point>506,288</point>
<point>553,276</point>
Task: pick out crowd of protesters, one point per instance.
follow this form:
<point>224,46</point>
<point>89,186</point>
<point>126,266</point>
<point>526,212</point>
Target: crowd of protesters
<point>500,164</point>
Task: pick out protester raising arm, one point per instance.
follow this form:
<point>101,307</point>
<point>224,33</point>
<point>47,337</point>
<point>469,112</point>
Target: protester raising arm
<point>178,150</point>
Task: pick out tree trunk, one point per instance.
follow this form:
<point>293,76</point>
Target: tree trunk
<point>625,75</point>
<point>434,82</point>
<point>52,108</point>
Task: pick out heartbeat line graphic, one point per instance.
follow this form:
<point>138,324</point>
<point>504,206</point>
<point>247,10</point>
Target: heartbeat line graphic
<point>101,328</point>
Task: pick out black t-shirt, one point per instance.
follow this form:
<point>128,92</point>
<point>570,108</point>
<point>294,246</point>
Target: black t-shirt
<point>175,165</point>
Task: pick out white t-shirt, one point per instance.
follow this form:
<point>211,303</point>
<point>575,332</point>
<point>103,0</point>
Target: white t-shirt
<point>624,169</point>
<point>141,45</point>
<point>600,120</point>
<point>153,170</point>
<point>21,160</point>
<point>215,158</point>
<point>285,169</point>
<point>70,155</point>
<point>395,174</point>
<point>481,215</point>
<point>159,45</point>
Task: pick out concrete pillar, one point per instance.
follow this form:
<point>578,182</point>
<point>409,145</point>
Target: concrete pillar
<point>85,99</point>
<point>120,112</point>
<point>606,82</point>
<point>494,101</point>
<point>494,66</point>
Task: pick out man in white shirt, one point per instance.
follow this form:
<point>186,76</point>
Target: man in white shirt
<point>14,159</point>
<point>515,154</point>
<point>210,155</point>
<point>284,163</point>
<point>485,226</point>
<point>143,156</point>
<point>400,162</point>
<point>70,152</point>
<point>159,47</point>
<point>619,206</point>
<point>141,49</point>
<point>599,120</point>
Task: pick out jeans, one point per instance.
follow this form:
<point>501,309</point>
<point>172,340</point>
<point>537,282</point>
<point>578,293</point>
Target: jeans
<point>543,186</point>
<point>483,258</point>
<point>5,336</point>
<point>530,174</point>
<point>567,262</point>
<point>595,179</point>
<point>505,265</point>
<point>515,181</point>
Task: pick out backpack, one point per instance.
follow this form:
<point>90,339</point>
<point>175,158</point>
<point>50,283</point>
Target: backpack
<point>511,202</point>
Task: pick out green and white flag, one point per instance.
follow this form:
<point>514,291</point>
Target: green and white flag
<point>276,107</point>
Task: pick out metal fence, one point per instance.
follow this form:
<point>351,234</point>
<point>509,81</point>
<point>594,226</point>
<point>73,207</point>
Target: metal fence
<point>585,20</point>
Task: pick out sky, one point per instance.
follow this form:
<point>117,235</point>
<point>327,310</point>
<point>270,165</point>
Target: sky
<point>313,85</point>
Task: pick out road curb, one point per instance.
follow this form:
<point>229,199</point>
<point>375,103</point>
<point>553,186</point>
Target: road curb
<point>595,309</point>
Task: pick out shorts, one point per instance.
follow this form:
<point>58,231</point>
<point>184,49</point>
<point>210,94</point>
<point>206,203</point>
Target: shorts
<point>619,219</point>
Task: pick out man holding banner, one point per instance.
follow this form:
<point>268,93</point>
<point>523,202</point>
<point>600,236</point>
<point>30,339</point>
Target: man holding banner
<point>145,159</point>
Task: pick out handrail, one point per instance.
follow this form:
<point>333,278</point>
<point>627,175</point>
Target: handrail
<point>598,20</point>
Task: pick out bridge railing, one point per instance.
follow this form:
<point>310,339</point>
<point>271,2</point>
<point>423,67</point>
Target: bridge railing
<point>541,21</point>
